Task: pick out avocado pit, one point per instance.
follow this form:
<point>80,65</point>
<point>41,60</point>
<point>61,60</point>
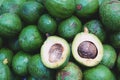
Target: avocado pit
<point>87,49</point>
<point>55,52</point>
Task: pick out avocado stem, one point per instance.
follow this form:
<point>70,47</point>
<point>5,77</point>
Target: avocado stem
<point>5,61</point>
<point>86,30</point>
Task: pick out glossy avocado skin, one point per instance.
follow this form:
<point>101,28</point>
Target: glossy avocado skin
<point>60,8</point>
<point>69,27</point>
<point>96,27</point>
<point>108,11</point>
<point>47,24</point>
<point>5,73</point>
<point>37,69</point>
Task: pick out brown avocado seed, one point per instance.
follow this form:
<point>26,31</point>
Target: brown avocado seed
<point>55,52</point>
<point>87,50</point>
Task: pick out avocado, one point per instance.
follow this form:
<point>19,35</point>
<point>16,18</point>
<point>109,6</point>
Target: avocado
<point>20,63</point>
<point>6,53</point>
<point>70,72</point>
<point>47,24</point>
<point>86,8</point>
<point>99,72</point>
<point>109,56</point>
<point>55,52</point>
<point>87,49</point>
<point>95,27</point>
<point>5,73</point>
<point>30,38</point>
<point>30,11</point>
<point>60,8</point>
<point>109,15</point>
<point>10,25</point>
<point>69,28</point>
<point>115,40</point>
<point>37,69</point>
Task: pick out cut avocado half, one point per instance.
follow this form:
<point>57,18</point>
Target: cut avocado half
<point>55,52</point>
<point>87,49</point>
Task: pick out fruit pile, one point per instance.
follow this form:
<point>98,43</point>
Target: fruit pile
<point>59,40</point>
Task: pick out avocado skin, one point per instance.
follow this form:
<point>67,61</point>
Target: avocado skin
<point>96,27</point>
<point>69,27</point>
<point>37,69</point>
<point>70,72</point>
<point>109,15</point>
<point>60,8</point>
<point>5,73</point>
<point>99,72</point>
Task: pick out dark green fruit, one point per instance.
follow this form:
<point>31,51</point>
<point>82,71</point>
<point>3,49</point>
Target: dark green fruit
<point>30,38</point>
<point>60,8</point>
<point>87,49</point>
<point>70,27</point>
<point>70,72</point>
<point>5,73</point>
<point>19,2</point>
<point>86,8</point>
<point>10,25</point>
<point>6,53</point>
<point>115,40</point>
<point>20,63</point>
<point>109,15</point>
<point>47,25</point>
<point>109,56</point>
<point>55,52</point>
<point>30,11</point>
<point>37,69</point>
<point>95,27</point>
<point>99,72</point>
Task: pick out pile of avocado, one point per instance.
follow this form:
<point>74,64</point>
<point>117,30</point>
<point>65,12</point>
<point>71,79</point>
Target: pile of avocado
<point>59,39</point>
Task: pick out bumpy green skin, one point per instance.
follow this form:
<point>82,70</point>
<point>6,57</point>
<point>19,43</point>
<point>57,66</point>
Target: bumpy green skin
<point>86,8</point>
<point>14,44</point>
<point>60,8</point>
<point>95,27</point>
<point>99,72</point>
<point>6,53</point>
<point>115,40</point>
<point>70,27</point>
<point>109,56</point>
<point>20,63</point>
<point>118,62</point>
<point>46,24</point>
<point>30,11</point>
<point>109,15</point>
<point>10,25</point>
<point>37,69</point>
<point>5,73</point>
<point>70,72</point>
<point>30,38</point>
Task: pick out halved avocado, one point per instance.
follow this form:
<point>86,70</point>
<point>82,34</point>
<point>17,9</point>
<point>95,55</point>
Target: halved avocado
<point>55,52</point>
<point>87,49</point>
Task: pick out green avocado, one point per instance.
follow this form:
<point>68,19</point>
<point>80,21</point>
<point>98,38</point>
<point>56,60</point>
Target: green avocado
<point>70,27</point>
<point>86,8</point>
<point>96,27</point>
<point>109,56</point>
<point>55,52</point>
<point>99,72</point>
<point>30,11</point>
<point>60,8</point>
<point>37,69</point>
<point>5,73</point>
<point>70,72</point>
<point>30,38</point>
<point>109,15</point>
<point>20,63</point>
<point>47,24</point>
<point>6,53</point>
<point>10,25</point>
